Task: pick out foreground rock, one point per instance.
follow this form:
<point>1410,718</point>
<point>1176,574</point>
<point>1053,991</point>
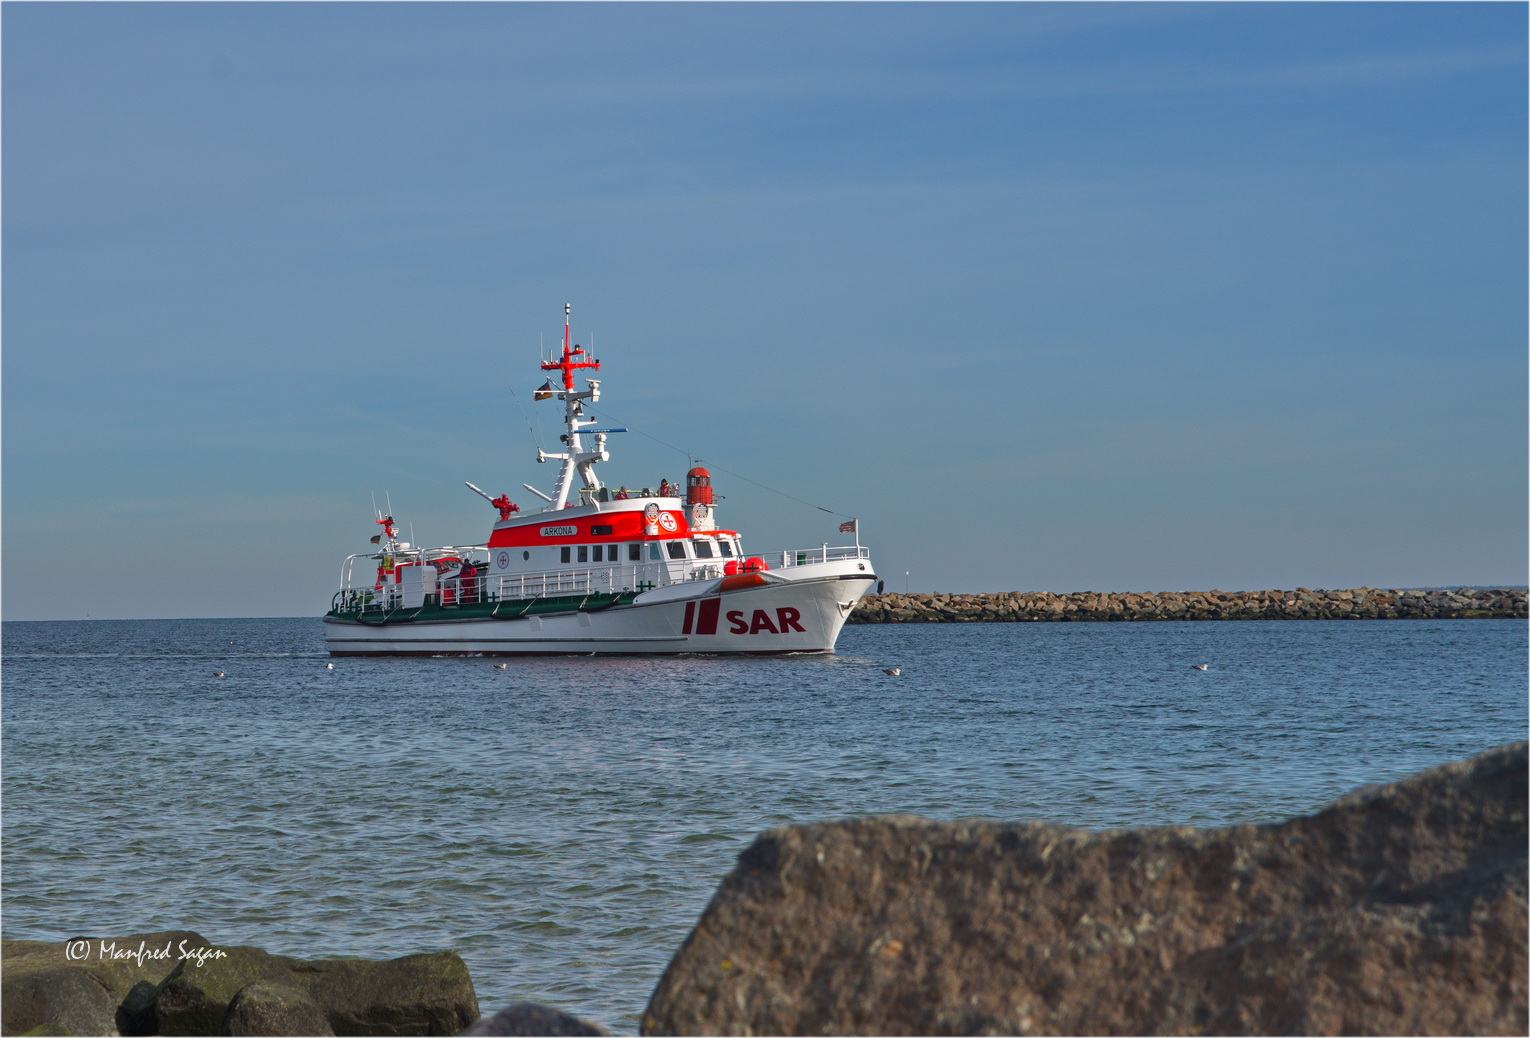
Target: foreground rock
<point>413,995</point>
<point>532,1018</point>
<point>261,1008</point>
<point>103,987</point>
<point>1398,910</point>
<point>1302,604</point>
<point>227,991</point>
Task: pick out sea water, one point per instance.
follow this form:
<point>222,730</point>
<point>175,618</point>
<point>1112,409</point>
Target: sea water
<point>562,823</point>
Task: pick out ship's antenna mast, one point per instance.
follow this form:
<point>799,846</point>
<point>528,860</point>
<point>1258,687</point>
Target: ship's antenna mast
<point>576,460</point>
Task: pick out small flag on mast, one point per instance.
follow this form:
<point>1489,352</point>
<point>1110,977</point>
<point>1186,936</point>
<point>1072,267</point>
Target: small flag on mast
<point>847,527</point>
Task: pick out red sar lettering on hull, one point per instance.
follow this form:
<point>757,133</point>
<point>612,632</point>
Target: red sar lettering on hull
<point>701,618</point>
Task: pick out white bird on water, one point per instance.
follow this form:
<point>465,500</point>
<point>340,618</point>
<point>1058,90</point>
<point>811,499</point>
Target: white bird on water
<point>217,673</point>
<point>893,671</point>
<point>1201,666</point>
<point>501,666</point>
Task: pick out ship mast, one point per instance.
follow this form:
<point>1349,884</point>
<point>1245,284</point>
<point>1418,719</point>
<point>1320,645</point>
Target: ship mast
<point>576,460</point>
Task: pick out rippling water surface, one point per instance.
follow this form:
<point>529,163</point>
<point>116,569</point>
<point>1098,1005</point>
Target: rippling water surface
<point>562,823</point>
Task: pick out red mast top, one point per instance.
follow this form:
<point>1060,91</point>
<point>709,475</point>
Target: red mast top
<point>568,364</point>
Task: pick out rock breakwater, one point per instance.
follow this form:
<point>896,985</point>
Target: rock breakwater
<point>1301,604</point>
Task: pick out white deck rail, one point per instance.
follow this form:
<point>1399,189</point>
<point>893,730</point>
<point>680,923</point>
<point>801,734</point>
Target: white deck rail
<point>809,556</point>
<point>358,589</point>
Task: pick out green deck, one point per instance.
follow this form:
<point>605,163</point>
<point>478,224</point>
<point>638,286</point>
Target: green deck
<point>493,609</point>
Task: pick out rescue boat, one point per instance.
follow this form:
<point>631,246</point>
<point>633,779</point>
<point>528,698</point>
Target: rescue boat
<point>595,570</point>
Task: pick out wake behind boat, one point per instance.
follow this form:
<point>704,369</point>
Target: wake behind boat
<point>595,570</point>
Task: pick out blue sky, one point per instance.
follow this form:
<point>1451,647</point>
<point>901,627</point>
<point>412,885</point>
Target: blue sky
<point>1050,296</point>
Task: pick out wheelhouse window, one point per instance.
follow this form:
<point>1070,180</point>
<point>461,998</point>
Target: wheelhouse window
<point>565,552</point>
<point>677,549</point>
<point>653,550</point>
<point>724,548</point>
<point>634,553</point>
<point>703,549</point>
<point>600,551</point>
<point>584,553</point>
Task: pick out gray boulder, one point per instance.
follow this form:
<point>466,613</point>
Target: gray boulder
<point>531,1018</point>
<point>62,1000</point>
<point>414,995</point>
<point>260,1009</point>
<point>1399,909</point>
<point>195,998</point>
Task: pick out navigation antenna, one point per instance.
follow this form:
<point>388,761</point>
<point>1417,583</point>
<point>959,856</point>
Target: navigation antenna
<point>577,461</point>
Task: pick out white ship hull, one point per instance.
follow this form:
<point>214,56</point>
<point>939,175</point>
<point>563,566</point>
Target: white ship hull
<point>803,614</point>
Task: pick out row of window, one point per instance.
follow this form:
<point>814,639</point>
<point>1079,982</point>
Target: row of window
<point>676,549</point>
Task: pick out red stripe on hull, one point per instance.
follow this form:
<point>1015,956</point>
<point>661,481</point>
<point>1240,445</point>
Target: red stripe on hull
<point>707,622</point>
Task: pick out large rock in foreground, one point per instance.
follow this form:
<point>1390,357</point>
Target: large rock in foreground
<point>1400,909</point>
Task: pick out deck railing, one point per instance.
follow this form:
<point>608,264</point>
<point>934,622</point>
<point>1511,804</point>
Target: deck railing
<point>458,591</point>
<point>809,556</point>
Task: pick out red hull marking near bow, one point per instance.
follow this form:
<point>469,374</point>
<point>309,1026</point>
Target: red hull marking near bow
<point>701,618</point>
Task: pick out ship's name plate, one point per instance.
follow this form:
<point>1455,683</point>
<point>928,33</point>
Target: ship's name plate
<point>559,531</point>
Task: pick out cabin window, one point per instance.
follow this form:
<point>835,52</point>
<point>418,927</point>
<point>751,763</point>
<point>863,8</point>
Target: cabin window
<point>526,556</point>
<point>565,550</point>
<point>703,549</point>
<point>600,552</point>
<point>677,549</point>
<point>634,553</point>
<point>584,553</point>
<point>653,551</point>
<point>724,548</point>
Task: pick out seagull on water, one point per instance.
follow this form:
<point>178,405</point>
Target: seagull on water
<point>501,666</point>
<point>893,671</point>
<point>329,666</point>
<point>217,673</point>
<point>1201,666</point>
